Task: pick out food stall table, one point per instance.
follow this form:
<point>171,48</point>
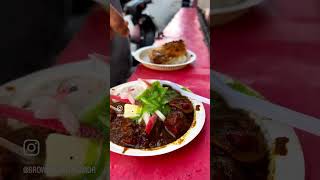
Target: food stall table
<point>92,38</point>
<point>191,161</point>
<point>274,48</point>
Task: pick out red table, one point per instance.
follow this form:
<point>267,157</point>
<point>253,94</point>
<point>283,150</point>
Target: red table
<point>191,161</point>
<point>92,38</point>
<point>275,49</point>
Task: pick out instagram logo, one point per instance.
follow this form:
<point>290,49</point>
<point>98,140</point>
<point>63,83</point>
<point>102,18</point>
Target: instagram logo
<point>31,147</point>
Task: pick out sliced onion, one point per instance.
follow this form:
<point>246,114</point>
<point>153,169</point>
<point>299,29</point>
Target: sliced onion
<point>144,83</point>
<point>124,95</point>
<point>140,120</point>
<point>160,115</point>
<point>131,99</point>
<point>44,107</point>
<point>169,132</point>
<point>146,117</point>
<point>114,108</point>
<point>68,119</point>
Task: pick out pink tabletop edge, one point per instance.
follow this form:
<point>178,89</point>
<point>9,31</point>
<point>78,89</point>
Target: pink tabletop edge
<point>92,38</point>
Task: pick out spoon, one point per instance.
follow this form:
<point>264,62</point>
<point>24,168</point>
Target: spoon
<point>245,157</point>
<point>265,109</point>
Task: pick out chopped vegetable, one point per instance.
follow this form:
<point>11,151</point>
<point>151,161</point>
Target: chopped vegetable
<point>119,99</point>
<point>131,111</point>
<point>146,117</point>
<point>68,119</point>
<point>156,98</point>
<point>114,108</point>
<point>238,86</point>
<point>146,83</point>
<point>100,110</point>
<point>185,89</point>
<point>140,120</point>
<point>153,100</point>
<point>151,122</point>
<point>160,115</point>
<point>165,127</point>
<point>131,99</point>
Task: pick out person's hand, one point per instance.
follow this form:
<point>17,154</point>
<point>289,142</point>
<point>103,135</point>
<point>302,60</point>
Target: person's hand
<point>117,23</point>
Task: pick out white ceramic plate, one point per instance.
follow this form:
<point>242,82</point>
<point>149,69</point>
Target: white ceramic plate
<point>18,91</point>
<point>243,4</point>
<point>141,55</point>
<point>194,130</point>
<point>45,82</point>
<point>290,166</point>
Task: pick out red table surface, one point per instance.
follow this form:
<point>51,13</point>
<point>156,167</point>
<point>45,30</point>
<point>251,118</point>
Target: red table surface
<point>193,160</point>
<point>275,49</point>
<point>92,38</point>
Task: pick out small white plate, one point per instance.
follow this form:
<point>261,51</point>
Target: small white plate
<point>243,4</point>
<point>141,55</point>
<point>197,125</point>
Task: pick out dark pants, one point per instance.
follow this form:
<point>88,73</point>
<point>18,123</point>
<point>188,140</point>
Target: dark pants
<point>121,61</point>
<point>186,3</point>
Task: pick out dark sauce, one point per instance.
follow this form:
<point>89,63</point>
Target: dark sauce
<point>197,107</point>
<point>281,146</point>
<point>130,134</point>
<point>237,130</point>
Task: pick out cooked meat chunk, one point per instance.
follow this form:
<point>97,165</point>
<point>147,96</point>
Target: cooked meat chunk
<point>176,123</point>
<point>168,53</point>
<point>182,103</point>
<point>150,129</point>
<point>236,129</point>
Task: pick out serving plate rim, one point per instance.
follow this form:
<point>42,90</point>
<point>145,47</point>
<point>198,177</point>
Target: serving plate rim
<point>189,136</point>
<point>244,4</point>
